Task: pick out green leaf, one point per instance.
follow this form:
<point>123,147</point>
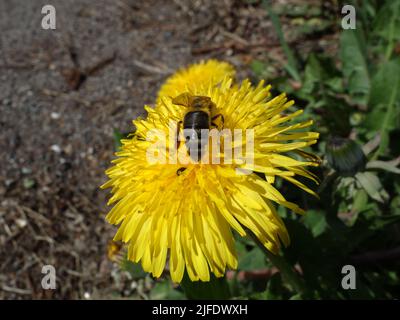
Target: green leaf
<point>134,269</point>
<point>164,290</point>
<point>395,204</point>
<point>291,66</point>
<point>360,201</point>
<point>336,115</point>
<point>316,222</point>
<point>335,83</point>
<point>313,74</point>
<point>216,288</point>
<point>385,85</point>
<point>387,25</point>
<point>371,184</point>
<point>383,165</point>
<point>354,65</point>
<point>297,296</point>
<point>384,102</point>
<point>275,289</point>
<point>252,260</point>
<point>258,67</point>
<point>320,71</point>
<point>117,139</point>
<point>380,222</point>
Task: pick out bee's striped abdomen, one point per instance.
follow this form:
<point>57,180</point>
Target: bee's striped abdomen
<point>195,139</point>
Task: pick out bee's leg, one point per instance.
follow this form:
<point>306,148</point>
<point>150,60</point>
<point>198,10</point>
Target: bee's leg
<point>178,129</point>
<point>219,115</point>
<point>180,170</point>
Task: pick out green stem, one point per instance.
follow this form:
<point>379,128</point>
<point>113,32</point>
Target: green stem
<point>389,48</point>
<point>292,66</point>
<point>287,271</point>
<point>385,124</point>
<point>332,174</point>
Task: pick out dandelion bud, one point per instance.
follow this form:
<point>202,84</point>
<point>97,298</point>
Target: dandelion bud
<point>345,156</point>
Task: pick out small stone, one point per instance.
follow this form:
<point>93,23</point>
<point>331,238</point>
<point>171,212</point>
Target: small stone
<point>55,115</point>
<point>68,149</point>
<point>55,148</point>
<point>21,223</point>
<point>26,170</point>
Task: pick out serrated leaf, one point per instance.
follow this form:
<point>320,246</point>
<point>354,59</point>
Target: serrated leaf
<point>320,71</point>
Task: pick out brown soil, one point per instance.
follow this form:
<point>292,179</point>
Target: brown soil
<point>62,94</point>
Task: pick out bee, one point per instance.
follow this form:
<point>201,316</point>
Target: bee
<point>115,251</point>
<point>197,117</point>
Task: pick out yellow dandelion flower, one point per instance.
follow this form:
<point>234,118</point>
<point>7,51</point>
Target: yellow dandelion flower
<point>199,74</point>
<point>189,217</point>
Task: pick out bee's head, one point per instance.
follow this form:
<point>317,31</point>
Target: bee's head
<point>201,102</point>
<point>196,102</point>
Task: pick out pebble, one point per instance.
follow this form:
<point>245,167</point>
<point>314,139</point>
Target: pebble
<point>21,223</point>
<point>55,115</point>
<point>55,148</point>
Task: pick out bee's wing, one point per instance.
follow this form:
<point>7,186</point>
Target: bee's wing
<point>183,99</point>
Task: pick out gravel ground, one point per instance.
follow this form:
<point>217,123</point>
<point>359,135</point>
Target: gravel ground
<point>62,94</point>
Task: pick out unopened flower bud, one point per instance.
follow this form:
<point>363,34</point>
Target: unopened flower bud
<point>345,156</point>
